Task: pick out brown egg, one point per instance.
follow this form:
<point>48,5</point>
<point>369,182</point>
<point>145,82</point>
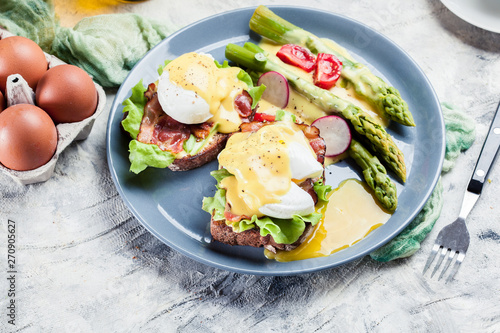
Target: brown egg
<point>21,55</point>
<point>67,94</point>
<point>28,137</point>
<point>2,102</point>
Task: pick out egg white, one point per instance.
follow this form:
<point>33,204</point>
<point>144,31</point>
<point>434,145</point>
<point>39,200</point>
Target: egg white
<point>303,164</point>
<point>296,201</point>
<point>185,106</point>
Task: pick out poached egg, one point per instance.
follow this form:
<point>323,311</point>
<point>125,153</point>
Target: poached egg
<point>193,90</point>
<point>267,165</point>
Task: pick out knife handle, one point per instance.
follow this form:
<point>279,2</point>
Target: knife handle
<point>487,155</point>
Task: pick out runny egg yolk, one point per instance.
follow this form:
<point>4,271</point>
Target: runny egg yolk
<point>260,163</point>
<point>350,215</point>
<point>217,86</point>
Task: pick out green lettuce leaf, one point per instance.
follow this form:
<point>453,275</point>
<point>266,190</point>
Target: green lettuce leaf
<point>282,115</point>
<point>160,67</point>
<point>192,146</point>
<point>215,205</point>
<point>143,155</point>
<point>219,175</point>
<point>244,224</point>
<point>322,190</point>
<point>245,77</point>
<point>313,218</point>
<point>256,94</point>
<point>283,231</point>
<point>134,105</point>
<point>225,64</point>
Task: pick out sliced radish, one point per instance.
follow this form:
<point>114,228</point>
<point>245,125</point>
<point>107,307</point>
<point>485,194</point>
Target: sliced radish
<point>277,90</point>
<point>336,133</point>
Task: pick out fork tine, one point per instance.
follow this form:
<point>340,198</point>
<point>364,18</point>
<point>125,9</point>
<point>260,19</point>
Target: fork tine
<point>441,257</point>
<point>456,266</point>
<point>447,263</point>
<point>432,255</point>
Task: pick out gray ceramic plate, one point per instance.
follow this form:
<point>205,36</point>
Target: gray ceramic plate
<point>168,203</point>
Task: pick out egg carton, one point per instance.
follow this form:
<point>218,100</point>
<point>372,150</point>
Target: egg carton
<point>66,133</point>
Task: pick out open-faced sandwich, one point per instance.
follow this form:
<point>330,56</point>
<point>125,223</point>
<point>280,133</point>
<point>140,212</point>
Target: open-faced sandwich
<point>269,181</point>
<point>182,120</point>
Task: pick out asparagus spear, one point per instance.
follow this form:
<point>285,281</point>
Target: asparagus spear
<point>254,58</point>
<point>375,175</point>
<point>384,98</point>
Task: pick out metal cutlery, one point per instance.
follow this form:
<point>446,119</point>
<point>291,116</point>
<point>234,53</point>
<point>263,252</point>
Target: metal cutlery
<point>453,240</point>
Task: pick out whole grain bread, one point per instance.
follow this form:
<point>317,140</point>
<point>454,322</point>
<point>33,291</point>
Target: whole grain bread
<point>224,233</point>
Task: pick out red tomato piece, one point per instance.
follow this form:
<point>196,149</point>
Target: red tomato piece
<point>297,56</point>
<point>263,117</point>
<point>327,71</point>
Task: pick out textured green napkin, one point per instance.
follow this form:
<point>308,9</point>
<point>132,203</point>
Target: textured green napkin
<point>108,46</point>
<point>34,19</point>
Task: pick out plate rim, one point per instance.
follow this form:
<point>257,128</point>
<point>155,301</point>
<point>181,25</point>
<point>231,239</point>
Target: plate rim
<point>262,270</point>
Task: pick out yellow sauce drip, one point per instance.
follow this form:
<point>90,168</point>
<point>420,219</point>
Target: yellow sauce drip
<point>350,215</point>
<point>217,86</point>
<point>300,105</point>
<point>260,164</point>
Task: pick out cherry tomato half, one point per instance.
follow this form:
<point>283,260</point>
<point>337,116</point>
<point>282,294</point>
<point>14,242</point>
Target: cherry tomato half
<point>327,71</point>
<point>261,117</point>
<point>297,56</point>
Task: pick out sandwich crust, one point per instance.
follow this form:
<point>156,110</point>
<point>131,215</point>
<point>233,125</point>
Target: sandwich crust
<point>224,233</point>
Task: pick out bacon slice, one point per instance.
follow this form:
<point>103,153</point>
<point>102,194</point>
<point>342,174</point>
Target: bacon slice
<point>308,186</point>
<point>168,134</point>
<point>201,131</point>
<point>160,129</point>
<point>243,104</point>
<point>253,126</point>
<point>317,143</point>
<point>233,217</point>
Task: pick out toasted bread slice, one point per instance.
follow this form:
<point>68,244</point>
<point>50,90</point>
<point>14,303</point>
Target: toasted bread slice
<point>224,233</point>
<point>207,154</point>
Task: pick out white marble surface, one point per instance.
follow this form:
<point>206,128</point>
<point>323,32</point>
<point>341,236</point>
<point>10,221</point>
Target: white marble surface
<point>85,264</point>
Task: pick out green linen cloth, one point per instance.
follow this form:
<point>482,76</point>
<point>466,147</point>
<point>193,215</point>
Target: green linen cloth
<point>108,46</point>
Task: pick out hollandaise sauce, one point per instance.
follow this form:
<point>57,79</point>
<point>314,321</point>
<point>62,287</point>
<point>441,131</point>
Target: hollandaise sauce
<point>260,163</point>
<point>350,215</point>
<point>215,89</point>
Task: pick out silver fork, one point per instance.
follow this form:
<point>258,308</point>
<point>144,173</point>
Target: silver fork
<point>453,240</point>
